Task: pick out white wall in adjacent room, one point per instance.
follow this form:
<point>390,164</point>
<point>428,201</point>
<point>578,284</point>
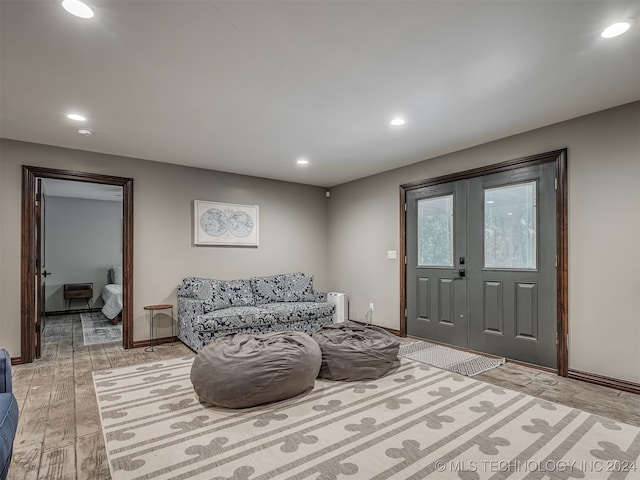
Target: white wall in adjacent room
<point>82,241</point>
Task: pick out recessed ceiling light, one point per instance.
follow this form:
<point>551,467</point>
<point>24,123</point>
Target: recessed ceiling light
<point>77,117</point>
<point>616,29</point>
<point>396,122</point>
<point>85,131</point>
<point>77,8</point>
<point>302,161</point>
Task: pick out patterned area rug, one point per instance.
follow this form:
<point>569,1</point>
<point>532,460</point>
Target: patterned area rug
<point>96,328</point>
<point>416,422</point>
<point>464,363</point>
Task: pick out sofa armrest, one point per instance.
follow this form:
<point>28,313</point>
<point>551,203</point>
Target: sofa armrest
<point>189,309</point>
<point>8,426</point>
<point>5,372</point>
<point>320,296</point>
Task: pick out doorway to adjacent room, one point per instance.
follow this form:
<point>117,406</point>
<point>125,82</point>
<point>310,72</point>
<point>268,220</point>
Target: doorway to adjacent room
<point>33,294</point>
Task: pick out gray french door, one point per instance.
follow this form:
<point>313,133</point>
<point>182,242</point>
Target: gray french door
<point>436,258</point>
<point>481,264</point>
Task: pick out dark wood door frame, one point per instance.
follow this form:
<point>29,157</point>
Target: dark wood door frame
<point>27,265</point>
<point>39,304</point>
<point>559,157</point>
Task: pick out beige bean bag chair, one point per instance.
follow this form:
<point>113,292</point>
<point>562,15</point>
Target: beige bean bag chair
<point>351,351</point>
<point>243,370</point>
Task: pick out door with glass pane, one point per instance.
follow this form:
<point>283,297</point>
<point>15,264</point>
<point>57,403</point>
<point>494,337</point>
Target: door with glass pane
<point>511,270</point>
<point>481,264</point>
<point>436,243</point>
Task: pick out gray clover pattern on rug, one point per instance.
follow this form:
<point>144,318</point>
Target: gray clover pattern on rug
<point>96,328</point>
<point>464,363</point>
<point>416,422</point>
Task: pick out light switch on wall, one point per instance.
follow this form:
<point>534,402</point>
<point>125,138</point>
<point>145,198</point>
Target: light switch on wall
<point>392,254</point>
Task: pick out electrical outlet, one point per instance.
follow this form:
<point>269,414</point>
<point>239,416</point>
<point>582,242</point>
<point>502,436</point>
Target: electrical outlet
<point>371,306</point>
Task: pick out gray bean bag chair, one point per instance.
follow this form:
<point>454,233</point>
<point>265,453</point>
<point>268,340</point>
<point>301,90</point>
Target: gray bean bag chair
<point>243,370</point>
<point>351,351</point>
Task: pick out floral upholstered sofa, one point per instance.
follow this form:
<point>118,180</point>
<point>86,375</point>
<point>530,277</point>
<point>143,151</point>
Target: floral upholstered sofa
<point>209,308</point>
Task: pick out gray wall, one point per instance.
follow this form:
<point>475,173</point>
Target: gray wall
<point>83,240</point>
<point>604,233</point>
<point>293,226</point>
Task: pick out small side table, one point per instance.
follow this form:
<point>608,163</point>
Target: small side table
<point>152,309</point>
<point>74,291</point>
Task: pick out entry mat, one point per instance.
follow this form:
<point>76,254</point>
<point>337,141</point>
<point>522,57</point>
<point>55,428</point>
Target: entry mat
<point>464,363</point>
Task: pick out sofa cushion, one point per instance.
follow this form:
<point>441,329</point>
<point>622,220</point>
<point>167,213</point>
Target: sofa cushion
<point>236,317</point>
<point>239,293</point>
<point>268,289</point>
<point>211,292</point>
<point>298,288</point>
<point>295,311</point>
<point>194,287</point>
<point>218,299</point>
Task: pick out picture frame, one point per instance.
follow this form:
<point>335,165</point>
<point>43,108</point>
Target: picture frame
<point>225,224</point>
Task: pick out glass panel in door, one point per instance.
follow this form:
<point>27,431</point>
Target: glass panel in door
<point>435,232</point>
<point>510,226</point>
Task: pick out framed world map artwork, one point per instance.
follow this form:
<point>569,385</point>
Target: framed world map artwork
<point>217,223</point>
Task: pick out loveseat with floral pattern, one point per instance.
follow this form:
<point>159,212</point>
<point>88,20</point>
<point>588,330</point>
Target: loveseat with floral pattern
<point>210,308</point>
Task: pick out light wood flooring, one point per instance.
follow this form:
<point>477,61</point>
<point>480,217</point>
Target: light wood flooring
<point>59,434</point>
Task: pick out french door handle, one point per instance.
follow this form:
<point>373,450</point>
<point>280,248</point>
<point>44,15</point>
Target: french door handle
<point>461,274</point>
<point>45,274</point>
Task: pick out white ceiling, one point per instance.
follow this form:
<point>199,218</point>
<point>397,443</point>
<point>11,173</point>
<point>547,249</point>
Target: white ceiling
<point>250,86</point>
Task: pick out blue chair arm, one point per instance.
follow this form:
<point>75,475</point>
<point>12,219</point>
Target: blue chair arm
<point>5,371</point>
